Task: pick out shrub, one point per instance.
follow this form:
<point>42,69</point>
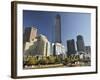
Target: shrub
<point>31,61</point>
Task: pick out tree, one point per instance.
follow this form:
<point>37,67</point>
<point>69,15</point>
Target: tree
<point>65,61</point>
<point>31,61</point>
<point>58,59</point>
<point>52,59</point>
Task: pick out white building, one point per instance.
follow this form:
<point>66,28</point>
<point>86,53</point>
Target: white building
<point>43,45</point>
<point>29,47</point>
<point>40,46</point>
<point>58,49</point>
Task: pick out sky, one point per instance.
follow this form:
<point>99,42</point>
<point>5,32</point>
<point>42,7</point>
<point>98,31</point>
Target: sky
<point>72,24</point>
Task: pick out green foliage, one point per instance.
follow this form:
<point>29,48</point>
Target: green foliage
<point>42,61</point>
<point>58,59</point>
<point>31,61</point>
<point>51,59</point>
<point>71,59</point>
<point>46,60</point>
<point>65,61</point>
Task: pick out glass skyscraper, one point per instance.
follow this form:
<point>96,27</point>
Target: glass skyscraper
<point>80,43</point>
<point>58,29</point>
<point>71,47</point>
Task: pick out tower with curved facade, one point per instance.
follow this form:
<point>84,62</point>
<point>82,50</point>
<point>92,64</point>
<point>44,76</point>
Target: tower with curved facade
<point>80,43</point>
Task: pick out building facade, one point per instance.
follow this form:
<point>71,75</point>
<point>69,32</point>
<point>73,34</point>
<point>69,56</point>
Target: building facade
<point>39,47</point>
<point>71,47</point>
<point>58,29</point>
<point>58,49</point>
<point>88,49</point>
<point>30,34</point>
<point>43,45</point>
<point>80,44</point>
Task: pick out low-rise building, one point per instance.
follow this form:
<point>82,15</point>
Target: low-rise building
<point>58,49</point>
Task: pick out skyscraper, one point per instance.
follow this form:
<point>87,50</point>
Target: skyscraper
<point>80,43</point>
<point>71,47</point>
<point>58,29</point>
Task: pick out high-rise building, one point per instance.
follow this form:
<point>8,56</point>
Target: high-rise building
<point>80,44</point>
<point>58,29</point>
<point>71,47</point>
<point>30,34</point>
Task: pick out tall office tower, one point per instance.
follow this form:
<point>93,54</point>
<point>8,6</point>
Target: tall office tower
<point>80,43</point>
<point>58,29</point>
<point>30,34</point>
<point>71,47</point>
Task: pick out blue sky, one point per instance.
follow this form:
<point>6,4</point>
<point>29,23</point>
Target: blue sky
<point>72,24</point>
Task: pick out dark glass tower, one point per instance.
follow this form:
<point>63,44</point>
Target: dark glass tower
<point>80,43</point>
<point>58,29</point>
<point>71,47</point>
